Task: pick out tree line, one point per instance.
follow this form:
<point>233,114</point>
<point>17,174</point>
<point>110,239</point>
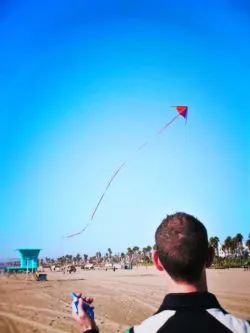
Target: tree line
<point>233,248</point>
<point>132,255</point>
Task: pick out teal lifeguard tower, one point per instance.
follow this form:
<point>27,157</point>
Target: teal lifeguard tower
<point>28,260</point>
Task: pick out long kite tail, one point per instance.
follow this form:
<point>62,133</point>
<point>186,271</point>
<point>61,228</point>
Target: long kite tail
<point>100,200</point>
<point>116,173</point>
<point>79,232</point>
<point>109,183</point>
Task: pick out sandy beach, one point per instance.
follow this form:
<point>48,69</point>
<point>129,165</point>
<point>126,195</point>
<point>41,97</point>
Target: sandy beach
<point>122,298</point>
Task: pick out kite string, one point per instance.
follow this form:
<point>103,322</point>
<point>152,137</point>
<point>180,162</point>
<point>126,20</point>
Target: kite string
<point>167,124</point>
<point>116,173</point>
<point>122,165</point>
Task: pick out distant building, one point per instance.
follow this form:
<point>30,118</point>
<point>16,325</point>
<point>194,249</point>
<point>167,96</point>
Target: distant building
<point>2,266</point>
<point>221,253</point>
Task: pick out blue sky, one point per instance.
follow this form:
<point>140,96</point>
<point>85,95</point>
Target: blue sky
<point>83,83</point>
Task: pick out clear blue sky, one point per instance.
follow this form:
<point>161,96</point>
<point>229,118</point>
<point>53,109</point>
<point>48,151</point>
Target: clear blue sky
<point>82,83</point>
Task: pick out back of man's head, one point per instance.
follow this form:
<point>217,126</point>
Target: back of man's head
<point>182,246</point>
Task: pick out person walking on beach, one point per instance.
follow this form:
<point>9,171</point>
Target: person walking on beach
<point>183,252</point>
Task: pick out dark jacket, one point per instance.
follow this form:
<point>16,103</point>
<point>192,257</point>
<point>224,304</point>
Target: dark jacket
<point>190,313</point>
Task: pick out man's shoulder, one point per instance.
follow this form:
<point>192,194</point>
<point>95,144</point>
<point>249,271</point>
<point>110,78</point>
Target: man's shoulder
<point>230,321</point>
<point>153,323</point>
<point>192,312</point>
<point>226,322</point>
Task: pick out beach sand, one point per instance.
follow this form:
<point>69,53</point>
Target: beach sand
<point>122,298</point>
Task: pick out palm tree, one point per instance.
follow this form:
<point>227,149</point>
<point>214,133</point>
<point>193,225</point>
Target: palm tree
<point>69,258</point>
<point>239,238</point>
<point>149,250</point>
<point>98,254</point>
<point>78,258</point>
<point>248,242</point>
<point>136,254</point>
<point>61,260</point>
<point>228,245</point>
<point>146,253</point>
<point>130,254</point>
<point>214,243</point>
<point>85,256</point>
<point>129,251</point>
<point>47,260</point>
<point>238,243</point>
<point>136,249</point>
<point>109,252</point>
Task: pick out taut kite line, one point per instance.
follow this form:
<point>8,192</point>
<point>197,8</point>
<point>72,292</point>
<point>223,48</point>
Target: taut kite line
<point>181,111</point>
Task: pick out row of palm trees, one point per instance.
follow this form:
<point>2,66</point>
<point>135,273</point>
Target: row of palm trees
<point>233,247</point>
<point>133,255</point>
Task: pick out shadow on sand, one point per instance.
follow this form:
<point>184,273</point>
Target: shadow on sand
<point>69,280</point>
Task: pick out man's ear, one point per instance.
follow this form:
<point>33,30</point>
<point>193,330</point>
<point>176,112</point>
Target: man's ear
<point>156,261</point>
<point>210,256</point>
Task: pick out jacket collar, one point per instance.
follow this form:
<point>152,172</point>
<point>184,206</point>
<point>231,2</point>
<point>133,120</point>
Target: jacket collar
<point>176,301</point>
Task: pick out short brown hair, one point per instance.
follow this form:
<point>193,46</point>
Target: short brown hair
<point>182,245</point>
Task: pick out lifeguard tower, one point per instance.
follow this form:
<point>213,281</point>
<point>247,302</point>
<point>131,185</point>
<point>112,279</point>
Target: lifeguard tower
<point>28,260</point>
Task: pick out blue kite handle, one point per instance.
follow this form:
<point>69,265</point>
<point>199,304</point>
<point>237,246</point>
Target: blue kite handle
<point>75,302</point>
<point>86,306</point>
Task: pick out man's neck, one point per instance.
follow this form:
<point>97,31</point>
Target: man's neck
<point>186,288</point>
<point>183,287</point>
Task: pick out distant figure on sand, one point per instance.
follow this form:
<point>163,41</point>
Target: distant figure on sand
<point>183,252</point>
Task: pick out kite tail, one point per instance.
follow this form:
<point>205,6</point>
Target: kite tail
<point>80,232</point>
<point>109,183</point>
<point>168,124</point>
<point>100,200</point>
